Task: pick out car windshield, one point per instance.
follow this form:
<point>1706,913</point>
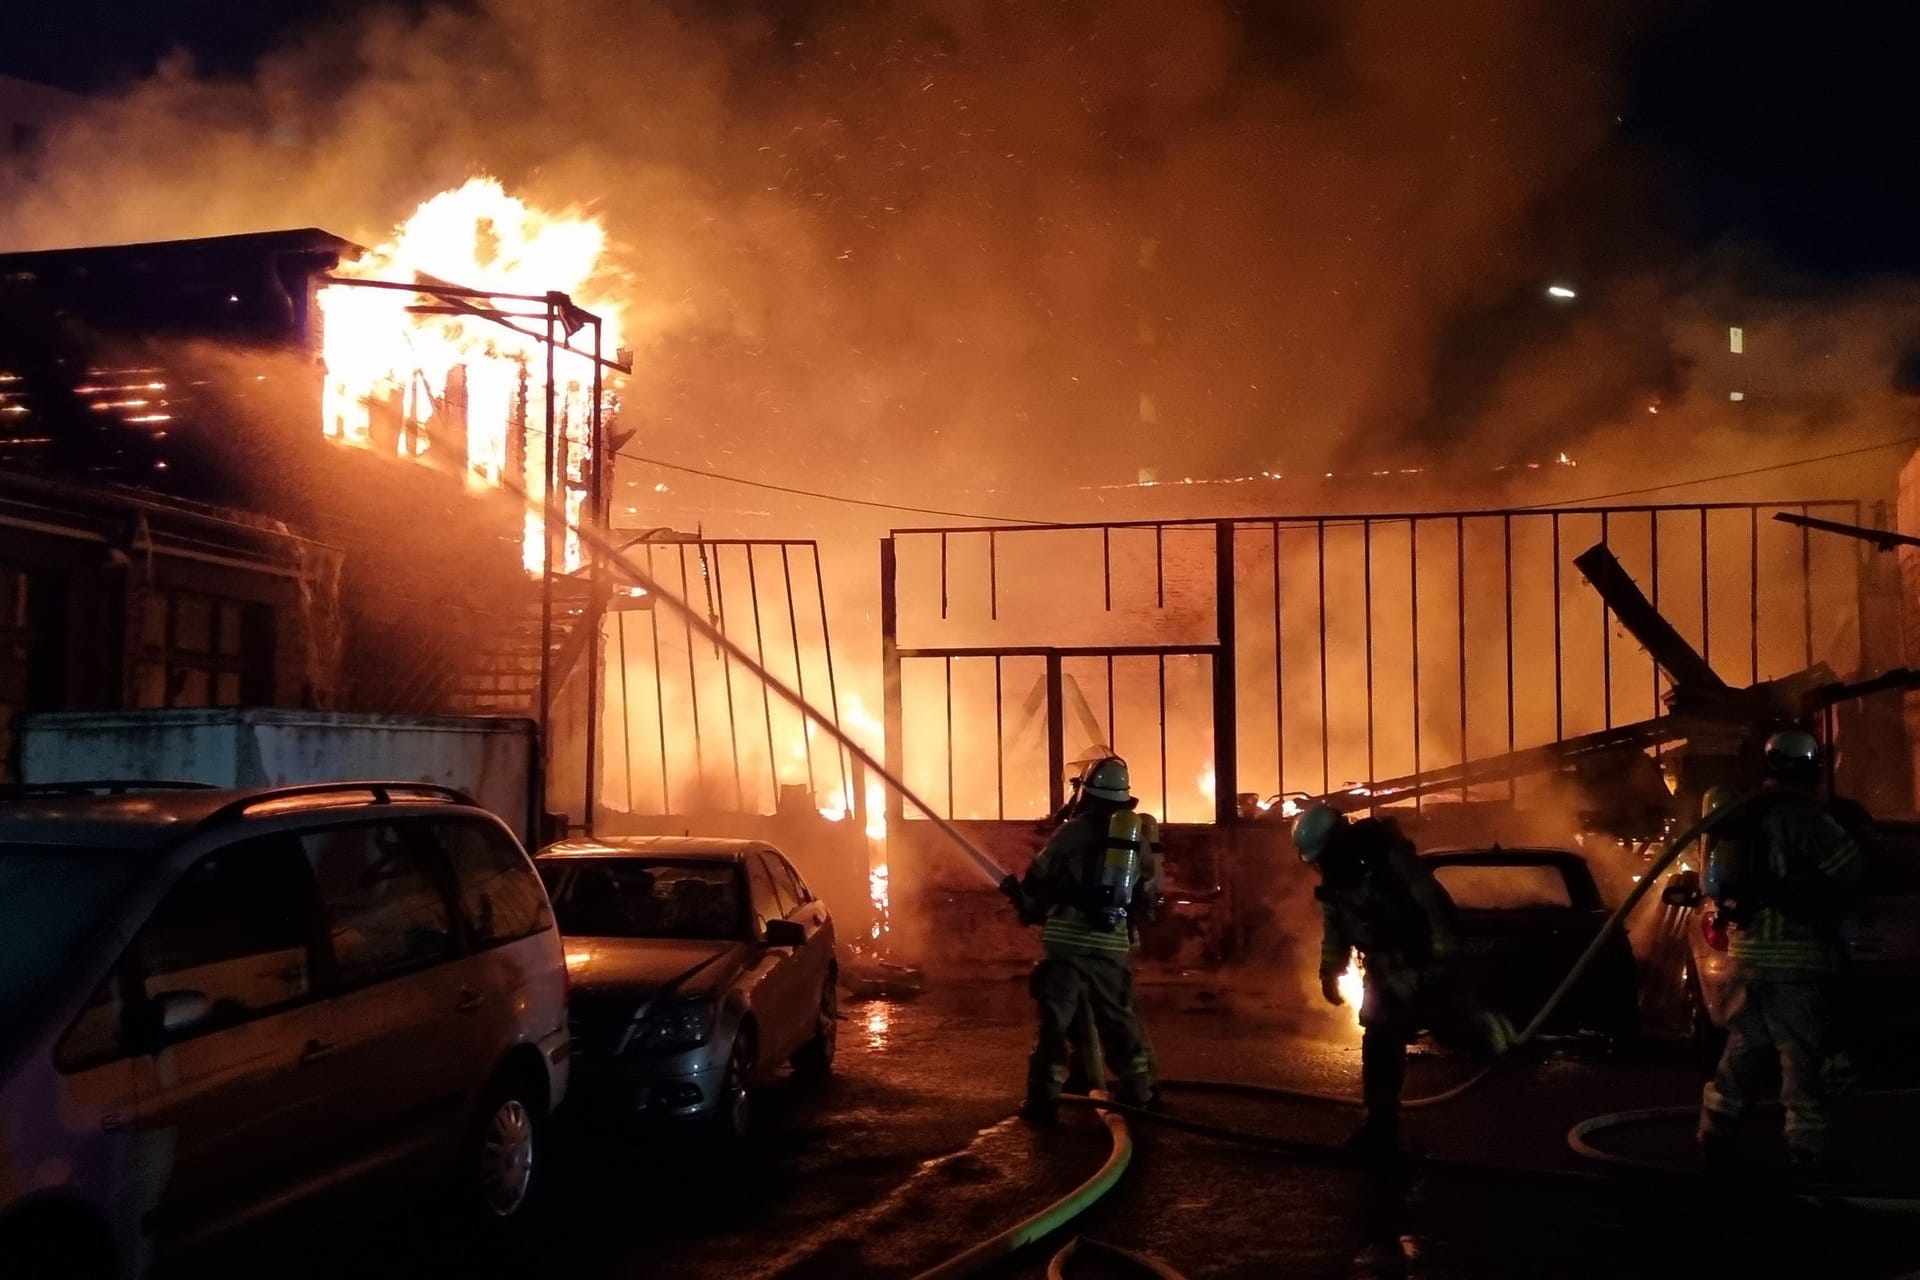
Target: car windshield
<point>53,901</point>
<point>1480,887</point>
<point>645,898</point>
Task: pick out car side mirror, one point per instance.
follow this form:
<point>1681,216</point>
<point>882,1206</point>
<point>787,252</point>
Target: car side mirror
<point>786,933</point>
<point>175,1012</point>
<point>1682,889</point>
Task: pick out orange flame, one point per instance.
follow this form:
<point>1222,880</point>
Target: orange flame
<point>429,380</point>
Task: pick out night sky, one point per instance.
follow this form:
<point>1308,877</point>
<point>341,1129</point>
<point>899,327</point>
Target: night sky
<point>1786,127</point>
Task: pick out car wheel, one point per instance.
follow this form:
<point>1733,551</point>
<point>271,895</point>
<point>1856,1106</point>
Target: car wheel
<point>504,1155</point>
<point>815,1058</point>
<point>734,1112</point>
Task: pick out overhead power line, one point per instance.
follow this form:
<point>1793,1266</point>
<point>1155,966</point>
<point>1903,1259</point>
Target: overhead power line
<point>826,497</point>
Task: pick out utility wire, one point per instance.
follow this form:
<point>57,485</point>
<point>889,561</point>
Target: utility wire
<point>825,497</point>
<point>1728,475</point>
<point>1536,506</point>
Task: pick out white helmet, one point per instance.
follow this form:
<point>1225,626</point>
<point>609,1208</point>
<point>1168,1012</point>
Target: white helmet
<point>1792,750</point>
<point>1107,780</point>
<point>1313,831</point>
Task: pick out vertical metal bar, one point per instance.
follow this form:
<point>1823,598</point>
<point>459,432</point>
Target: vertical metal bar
<point>660,694</point>
<point>1753,602</point>
<point>1506,536</point>
<point>1559,668</point>
<point>1226,692</point>
<point>1056,736</point>
<point>891,713</point>
<point>546,563</point>
<point>1706,595</point>
<point>948,662</point>
<point>1606,645</point>
<point>993,575</point>
<point>799,665</point>
<point>693,680</point>
<point>626,708</point>
<point>596,616</point>
<point>1160,566</point>
<point>726,667</point>
<point>1106,566</point>
<point>760,656</point>
<point>1413,631</point>
<point>1113,730</point>
<point>1460,600</point>
<point>1366,604</point>
<point>833,686</point>
<point>1653,543</point>
<point>999,744</point>
<point>1326,730</point>
<point>1806,584</point>
<point>1166,791</point>
<point>943,577</point>
<point>1279,684</point>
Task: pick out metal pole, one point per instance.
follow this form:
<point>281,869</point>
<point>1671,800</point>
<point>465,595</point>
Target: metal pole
<point>1160,567</point>
<point>1166,791</point>
<point>1106,566</point>
<point>1706,595</point>
<point>1559,672</point>
<point>1460,600</point>
<point>1326,730</point>
<point>1606,645</point>
<point>892,718</point>
<point>949,669</point>
<point>1413,631</point>
<point>546,536</point>
<point>1506,535</point>
<point>993,576</point>
<point>596,618</point>
<point>1653,545</point>
<point>999,744</point>
<point>1753,583</point>
<point>1366,604</point>
<point>943,577</point>
<point>1806,585</point>
<point>1226,708</point>
<point>1279,684</point>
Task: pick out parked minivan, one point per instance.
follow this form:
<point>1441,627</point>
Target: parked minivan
<point>215,1005</point>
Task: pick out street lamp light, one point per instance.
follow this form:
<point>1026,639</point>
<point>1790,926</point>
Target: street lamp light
<point>1560,291</point>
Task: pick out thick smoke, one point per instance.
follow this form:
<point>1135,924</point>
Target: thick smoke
<point>943,243</point>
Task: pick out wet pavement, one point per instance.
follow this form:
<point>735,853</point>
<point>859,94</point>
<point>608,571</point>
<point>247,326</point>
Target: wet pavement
<point>908,1155</point>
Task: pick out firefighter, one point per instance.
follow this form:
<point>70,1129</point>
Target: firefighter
<point>1097,878</point>
<point>1378,898</point>
<point>1779,872</point>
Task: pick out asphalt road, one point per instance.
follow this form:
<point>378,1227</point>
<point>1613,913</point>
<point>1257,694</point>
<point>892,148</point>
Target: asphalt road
<point>908,1154</point>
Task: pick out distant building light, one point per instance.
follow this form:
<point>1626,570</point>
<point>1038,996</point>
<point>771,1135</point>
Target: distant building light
<point>1737,340</point>
<point>1736,395</point>
<point>1560,291</point>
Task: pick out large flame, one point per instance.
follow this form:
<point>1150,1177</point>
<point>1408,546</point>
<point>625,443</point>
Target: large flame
<point>1353,986</point>
<point>468,390</point>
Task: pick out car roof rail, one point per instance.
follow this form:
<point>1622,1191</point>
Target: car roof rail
<point>102,786</point>
<point>383,793</point>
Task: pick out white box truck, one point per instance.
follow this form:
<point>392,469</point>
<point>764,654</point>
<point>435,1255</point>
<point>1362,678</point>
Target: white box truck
<point>496,760</point>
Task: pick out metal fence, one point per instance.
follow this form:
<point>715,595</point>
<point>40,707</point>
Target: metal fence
<point>1312,654</point>
<point>685,728</point>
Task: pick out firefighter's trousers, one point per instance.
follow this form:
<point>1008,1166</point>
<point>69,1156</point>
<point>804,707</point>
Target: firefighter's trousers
<point>1399,1003</point>
<point>1772,1019</point>
<point>1060,985</point>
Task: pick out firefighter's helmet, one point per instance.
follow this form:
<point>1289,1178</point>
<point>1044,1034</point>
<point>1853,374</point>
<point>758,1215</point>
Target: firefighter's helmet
<point>1717,797</point>
<point>1792,751</point>
<point>1313,831</point>
<point>1107,780</point>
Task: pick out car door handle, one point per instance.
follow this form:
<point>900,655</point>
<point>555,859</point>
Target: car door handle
<point>468,1002</point>
<point>316,1051</point>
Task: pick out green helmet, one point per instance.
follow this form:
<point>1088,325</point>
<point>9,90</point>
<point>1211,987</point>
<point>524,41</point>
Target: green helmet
<point>1313,831</point>
<point>1717,797</point>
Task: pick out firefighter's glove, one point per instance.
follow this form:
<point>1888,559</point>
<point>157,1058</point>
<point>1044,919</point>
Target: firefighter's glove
<point>1330,988</point>
<point>1028,910</point>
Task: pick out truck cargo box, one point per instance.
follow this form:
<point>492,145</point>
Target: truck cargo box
<point>493,759</point>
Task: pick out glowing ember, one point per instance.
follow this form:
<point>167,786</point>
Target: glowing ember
<point>1353,986</point>
<point>453,385</point>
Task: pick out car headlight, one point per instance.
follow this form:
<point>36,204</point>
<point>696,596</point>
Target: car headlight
<point>679,1026</point>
